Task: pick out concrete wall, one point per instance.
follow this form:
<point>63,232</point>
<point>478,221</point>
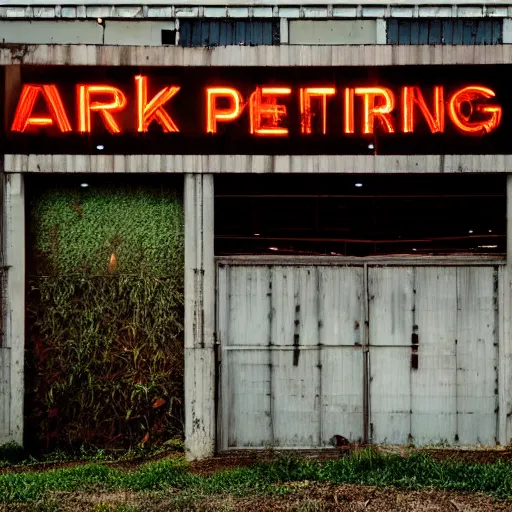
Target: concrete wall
<point>137,9</point>
<point>332,32</point>
<point>114,32</point>
<point>352,22</point>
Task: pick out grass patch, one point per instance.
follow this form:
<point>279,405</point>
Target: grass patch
<point>13,455</point>
<point>366,467</point>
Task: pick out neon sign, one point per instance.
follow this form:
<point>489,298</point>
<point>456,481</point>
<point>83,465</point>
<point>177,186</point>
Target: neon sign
<point>261,110</point>
<point>468,109</point>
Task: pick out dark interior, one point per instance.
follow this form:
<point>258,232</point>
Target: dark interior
<point>360,215</point>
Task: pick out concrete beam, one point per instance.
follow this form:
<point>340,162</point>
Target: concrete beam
<point>206,164</point>
<point>199,317</point>
<point>12,353</point>
<point>282,55</point>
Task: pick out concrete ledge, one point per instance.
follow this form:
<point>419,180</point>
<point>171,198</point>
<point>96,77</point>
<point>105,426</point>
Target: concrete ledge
<point>285,55</point>
<point>372,164</point>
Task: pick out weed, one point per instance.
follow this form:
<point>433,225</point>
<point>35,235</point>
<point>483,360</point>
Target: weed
<point>309,505</point>
<point>12,453</point>
<point>365,467</point>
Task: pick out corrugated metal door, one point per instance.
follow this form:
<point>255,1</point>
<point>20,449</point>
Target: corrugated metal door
<point>433,355</point>
<point>291,358</point>
<point>292,345</point>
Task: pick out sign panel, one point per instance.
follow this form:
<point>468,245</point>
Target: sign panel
<point>263,110</point>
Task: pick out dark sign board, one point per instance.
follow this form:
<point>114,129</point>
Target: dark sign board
<point>260,110</point>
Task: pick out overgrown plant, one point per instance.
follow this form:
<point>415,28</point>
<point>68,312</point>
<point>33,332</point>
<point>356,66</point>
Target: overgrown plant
<point>105,317</point>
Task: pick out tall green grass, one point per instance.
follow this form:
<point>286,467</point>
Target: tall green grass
<point>367,468</point>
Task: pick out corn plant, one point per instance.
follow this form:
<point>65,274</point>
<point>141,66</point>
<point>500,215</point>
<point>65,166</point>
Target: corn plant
<point>104,317</point>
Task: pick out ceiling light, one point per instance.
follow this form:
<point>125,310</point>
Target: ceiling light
<point>371,146</point>
<point>256,234</point>
<point>414,249</point>
<point>490,230</point>
<point>273,248</point>
<point>84,185</point>
<point>358,185</point>
<point>100,147</point>
<point>487,246</point>
<point>470,231</point>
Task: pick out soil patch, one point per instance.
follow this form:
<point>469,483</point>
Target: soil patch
<point>299,497</point>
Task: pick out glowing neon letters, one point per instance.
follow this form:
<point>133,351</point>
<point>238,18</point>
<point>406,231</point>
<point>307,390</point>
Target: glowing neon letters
<point>266,115</point>
<point>263,111</point>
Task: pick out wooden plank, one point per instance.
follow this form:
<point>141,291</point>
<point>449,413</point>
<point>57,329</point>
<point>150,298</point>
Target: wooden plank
<point>342,393</point>
<point>391,300</point>
<point>341,319</point>
<point>433,383</point>
<point>477,391</point>
<point>296,410</point>
<point>391,304</point>
<point>249,315</point>
<point>248,407</point>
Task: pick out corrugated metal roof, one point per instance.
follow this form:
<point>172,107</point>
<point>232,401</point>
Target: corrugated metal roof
<point>466,32</point>
<point>228,32</point>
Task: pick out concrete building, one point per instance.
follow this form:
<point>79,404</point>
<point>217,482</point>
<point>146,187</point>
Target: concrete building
<point>347,192</point>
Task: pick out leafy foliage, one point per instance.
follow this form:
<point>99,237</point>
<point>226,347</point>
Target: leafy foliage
<point>105,315</point>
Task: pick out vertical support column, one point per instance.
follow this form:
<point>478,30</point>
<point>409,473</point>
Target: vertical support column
<point>283,28</point>
<point>12,358</point>
<point>199,317</point>
<point>505,334</point>
<point>381,28</point>
<point>12,88</point>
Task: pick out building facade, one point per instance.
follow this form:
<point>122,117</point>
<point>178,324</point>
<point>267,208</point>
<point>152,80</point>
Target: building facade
<point>346,193</point>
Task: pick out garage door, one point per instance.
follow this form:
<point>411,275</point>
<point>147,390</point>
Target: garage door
<point>390,354</point>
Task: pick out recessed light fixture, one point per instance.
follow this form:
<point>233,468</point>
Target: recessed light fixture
<point>84,185</point>
<point>358,185</point>
<point>414,249</point>
<point>100,147</point>
<point>490,230</point>
<point>470,231</point>
<point>371,146</point>
<point>273,248</point>
<point>256,234</point>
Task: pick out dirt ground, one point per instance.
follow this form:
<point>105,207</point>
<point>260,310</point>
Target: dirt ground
<point>302,497</point>
<point>246,458</point>
<point>299,496</point>
<point>310,496</point>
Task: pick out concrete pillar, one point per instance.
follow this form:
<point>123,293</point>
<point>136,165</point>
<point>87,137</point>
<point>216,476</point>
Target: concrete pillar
<point>199,317</point>
<point>284,28</point>
<point>507,31</point>
<point>12,350</point>
<point>505,334</point>
<point>381,28</point>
